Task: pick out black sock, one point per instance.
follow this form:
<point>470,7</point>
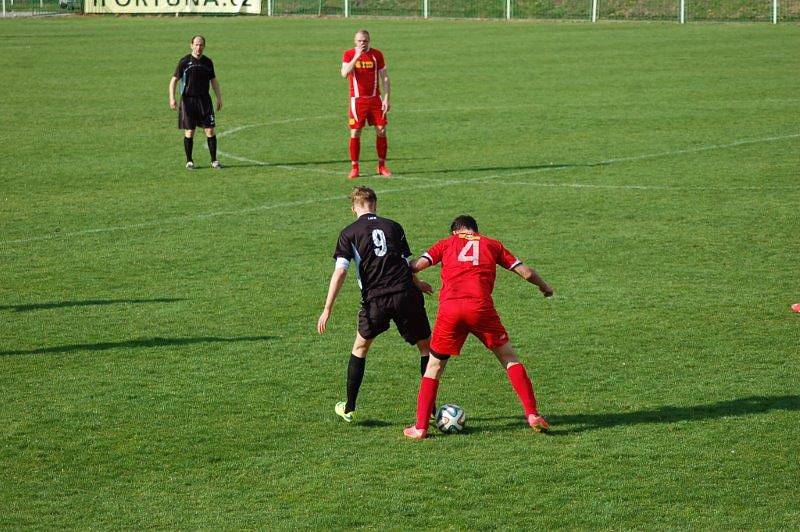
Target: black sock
<point>188,145</point>
<point>423,363</point>
<point>212,147</point>
<point>355,372</point>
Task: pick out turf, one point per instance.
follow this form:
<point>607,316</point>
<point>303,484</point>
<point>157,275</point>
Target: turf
<point>159,365</point>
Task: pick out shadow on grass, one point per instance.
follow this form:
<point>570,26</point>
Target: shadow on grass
<point>576,423</point>
<point>265,164</point>
<point>85,303</point>
<point>137,343</point>
<point>554,166</point>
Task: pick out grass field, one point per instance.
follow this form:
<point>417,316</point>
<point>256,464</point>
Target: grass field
<point>158,360</point>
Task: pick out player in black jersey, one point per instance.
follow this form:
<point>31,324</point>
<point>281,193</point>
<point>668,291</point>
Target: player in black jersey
<point>389,290</point>
<point>194,73</point>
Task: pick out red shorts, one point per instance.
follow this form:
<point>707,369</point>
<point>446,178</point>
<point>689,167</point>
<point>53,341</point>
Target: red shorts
<point>457,318</point>
<point>366,111</point>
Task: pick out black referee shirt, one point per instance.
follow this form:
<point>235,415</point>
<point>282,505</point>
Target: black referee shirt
<point>195,75</point>
<point>380,250</point>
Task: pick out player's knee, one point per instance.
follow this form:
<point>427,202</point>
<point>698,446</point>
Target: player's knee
<point>380,131</point>
<point>355,133</point>
<point>189,133</point>
<point>210,132</point>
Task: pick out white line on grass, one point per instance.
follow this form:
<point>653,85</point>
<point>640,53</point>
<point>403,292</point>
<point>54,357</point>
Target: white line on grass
<point>435,184</point>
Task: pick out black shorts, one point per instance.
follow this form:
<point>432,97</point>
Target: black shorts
<point>196,111</point>
<point>406,309</point>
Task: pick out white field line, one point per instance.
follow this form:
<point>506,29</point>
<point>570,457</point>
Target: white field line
<point>640,187</point>
<point>436,184</point>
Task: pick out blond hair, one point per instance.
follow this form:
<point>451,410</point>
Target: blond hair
<point>363,195</point>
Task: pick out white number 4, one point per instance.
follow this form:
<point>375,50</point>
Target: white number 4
<point>470,247</point>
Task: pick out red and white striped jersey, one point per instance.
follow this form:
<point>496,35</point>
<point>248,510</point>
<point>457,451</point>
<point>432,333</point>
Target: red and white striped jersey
<point>364,77</point>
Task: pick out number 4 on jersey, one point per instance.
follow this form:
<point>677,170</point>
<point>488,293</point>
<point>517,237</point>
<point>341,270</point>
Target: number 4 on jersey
<point>470,252</point>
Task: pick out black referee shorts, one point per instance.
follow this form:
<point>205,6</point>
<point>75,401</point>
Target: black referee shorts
<point>196,111</point>
<point>406,309</point>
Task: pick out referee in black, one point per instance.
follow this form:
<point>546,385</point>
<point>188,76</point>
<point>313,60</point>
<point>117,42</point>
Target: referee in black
<point>389,290</point>
<point>194,73</point>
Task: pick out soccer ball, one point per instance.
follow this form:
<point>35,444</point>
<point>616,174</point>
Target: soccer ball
<point>450,419</point>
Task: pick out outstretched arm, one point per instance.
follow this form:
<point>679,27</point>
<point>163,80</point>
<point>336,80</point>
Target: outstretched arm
<point>530,275</point>
<point>420,264</point>
<point>337,280</point>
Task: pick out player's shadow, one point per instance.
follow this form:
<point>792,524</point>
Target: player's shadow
<point>137,343</point>
<point>554,166</point>
<point>566,424</point>
<point>246,164</point>
<point>85,303</point>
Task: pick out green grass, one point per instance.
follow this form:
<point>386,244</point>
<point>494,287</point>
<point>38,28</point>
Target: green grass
<point>158,360</point>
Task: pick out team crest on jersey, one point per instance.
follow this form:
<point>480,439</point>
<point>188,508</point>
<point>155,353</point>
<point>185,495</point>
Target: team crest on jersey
<point>352,121</point>
<point>365,64</point>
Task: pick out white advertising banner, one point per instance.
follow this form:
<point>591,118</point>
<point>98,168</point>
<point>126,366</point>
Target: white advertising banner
<point>200,7</point>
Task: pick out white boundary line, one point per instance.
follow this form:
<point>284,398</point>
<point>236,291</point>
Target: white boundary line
<point>436,184</point>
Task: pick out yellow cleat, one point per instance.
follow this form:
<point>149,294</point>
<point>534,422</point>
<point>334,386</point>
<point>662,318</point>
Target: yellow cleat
<point>339,409</point>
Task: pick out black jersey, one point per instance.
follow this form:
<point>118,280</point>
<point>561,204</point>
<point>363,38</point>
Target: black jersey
<point>195,75</point>
<point>380,250</point>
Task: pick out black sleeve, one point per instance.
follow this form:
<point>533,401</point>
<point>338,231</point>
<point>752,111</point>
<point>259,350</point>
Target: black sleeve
<point>344,247</point>
<point>405,251</point>
<point>179,69</point>
<point>211,73</point>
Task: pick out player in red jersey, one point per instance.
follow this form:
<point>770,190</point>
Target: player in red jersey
<point>364,67</point>
<point>469,262</point>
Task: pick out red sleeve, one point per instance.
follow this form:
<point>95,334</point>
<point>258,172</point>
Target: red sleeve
<point>434,254</point>
<point>506,259</point>
<point>379,59</point>
<point>348,55</point>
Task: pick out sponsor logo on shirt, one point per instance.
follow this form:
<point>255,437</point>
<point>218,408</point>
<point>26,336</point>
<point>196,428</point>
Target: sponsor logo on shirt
<point>365,64</point>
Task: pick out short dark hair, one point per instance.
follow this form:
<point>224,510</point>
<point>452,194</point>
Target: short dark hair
<point>195,37</point>
<point>464,221</point>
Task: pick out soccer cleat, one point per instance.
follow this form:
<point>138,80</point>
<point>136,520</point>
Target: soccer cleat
<point>216,164</point>
<point>538,423</point>
<point>189,165</point>
<point>354,172</point>
<point>433,413</point>
<point>339,409</point>
<point>382,170</point>
<point>414,433</point>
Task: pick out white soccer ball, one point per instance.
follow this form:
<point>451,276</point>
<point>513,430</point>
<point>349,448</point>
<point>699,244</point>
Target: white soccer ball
<point>450,419</point>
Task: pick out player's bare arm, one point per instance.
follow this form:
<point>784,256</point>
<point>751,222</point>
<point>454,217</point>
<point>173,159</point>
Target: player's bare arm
<point>172,84</point>
<point>420,264</point>
<point>217,92</point>
<point>337,280</point>
<point>383,76</point>
<point>530,275</point>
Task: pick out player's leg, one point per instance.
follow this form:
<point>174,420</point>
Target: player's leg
<point>211,139</point>
<point>382,146</point>
<point>356,124</point>
<point>355,153</point>
<point>522,385</point>
<point>355,374</point>
<point>426,398</point>
<point>188,147</point>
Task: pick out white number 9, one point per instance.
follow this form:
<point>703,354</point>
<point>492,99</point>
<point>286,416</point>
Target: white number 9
<point>379,238</point>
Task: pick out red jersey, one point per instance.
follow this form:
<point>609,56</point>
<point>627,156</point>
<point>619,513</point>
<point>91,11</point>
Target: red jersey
<point>469,265</point>
<point>364,77</point>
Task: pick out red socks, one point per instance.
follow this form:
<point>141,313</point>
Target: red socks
<point>425,400</point>
<point>355,149</point>
<point>382,147</point>
<point>522,385</point>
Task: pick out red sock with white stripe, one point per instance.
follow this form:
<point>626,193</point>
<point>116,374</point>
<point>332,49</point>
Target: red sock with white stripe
<point>355,149</point>
<point>522,385</point>
<point>425,400</point>
<point>382,147</point>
